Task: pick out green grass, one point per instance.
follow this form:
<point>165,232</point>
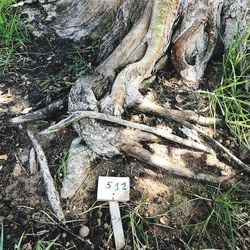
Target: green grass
<point>1,237</point>
<point>62,167</point>
<point>12,33</point>
<point>230,98</point>
<point>137,233</point>
<point>226,217</point>
<point>39,245</point>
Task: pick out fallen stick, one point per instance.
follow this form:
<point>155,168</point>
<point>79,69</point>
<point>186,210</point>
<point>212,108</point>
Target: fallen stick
<point>51,191</point>
<point>79,115</point>
<point>41,113</point>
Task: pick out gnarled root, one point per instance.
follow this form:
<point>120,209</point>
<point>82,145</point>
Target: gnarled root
<point>79,115</point>
<point>195,39</point>
<point>126,85</point>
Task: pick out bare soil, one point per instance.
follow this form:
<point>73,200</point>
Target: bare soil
<point>162,205</point>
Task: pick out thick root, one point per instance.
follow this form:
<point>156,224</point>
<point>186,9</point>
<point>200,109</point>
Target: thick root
<point>121,55</point>
<point>125,89</point>
<point>136,151</point>
<point>187,158</point>
<point>195,40</point>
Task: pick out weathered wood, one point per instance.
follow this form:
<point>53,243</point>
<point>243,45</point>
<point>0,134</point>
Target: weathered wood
<point>147,106</point>
<point>50,188</point>
<point>125,89</point>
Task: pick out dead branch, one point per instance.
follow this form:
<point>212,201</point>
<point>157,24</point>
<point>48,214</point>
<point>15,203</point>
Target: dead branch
<point>79,115</point>
<point>51,191</point>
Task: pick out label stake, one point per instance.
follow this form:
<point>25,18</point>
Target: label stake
<point>117,224</point>
<point>114,189</point>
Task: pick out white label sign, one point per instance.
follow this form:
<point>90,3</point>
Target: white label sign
<point>113,188</point>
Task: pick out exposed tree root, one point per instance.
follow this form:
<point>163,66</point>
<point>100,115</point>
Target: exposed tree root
<point>44,113</point>
<point>135,47</point>
<point>219,145</point>
<point>136,150</point>
<point>186,158</point>
<point>79,115</point>
<point>196,38</point>
<point>143,105</point>
<point>146,106</point>
<point>51,191</point>
<point>126,85</point>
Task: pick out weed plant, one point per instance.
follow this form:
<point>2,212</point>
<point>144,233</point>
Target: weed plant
<point>12,33</point>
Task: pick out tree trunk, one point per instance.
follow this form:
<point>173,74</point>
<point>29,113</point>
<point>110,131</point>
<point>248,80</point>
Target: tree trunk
<point>138,38</point>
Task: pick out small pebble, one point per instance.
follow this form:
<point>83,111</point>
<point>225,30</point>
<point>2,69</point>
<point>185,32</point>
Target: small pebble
<point>163,220</point>
<point>27,246</point>
<point>84,231</point>
<point>17,170</point>
<point>24,222</point>
<point>8,236</point>
<point>64,235</point>
<point>24,158</point>
<point>105,225</point>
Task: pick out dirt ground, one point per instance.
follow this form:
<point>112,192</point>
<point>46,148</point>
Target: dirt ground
<point>162,208</point>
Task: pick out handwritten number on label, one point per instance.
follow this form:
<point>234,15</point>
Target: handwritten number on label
<point>116,186</point>
<point>124,186</point>
<point>109,185</point>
